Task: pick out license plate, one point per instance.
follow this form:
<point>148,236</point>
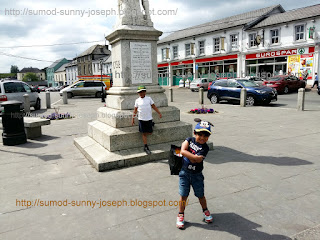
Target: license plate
<point>269,84</point>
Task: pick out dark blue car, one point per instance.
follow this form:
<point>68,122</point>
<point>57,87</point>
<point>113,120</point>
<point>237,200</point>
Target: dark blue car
<point>230,89</point>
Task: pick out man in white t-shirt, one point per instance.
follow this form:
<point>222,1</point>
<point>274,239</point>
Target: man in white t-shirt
<point>143,107</point>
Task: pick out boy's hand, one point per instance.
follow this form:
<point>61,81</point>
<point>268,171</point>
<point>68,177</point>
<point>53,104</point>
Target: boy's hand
<point>132,122</point>
<point>160,115</point>
<point>199,158</point>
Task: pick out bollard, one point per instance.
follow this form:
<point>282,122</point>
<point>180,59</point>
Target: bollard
<point>243,97</point>
<point>171,94</point>
<point>13,125</point>
<point>301,98</point>
<point>65,97</point>
<point>201,96</point>
<point>26,103</point>
<point>48,101</point>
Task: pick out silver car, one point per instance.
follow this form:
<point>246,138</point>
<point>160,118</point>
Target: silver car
<point>14,90</point>
<point>85,88</point>
<point>198,83</point>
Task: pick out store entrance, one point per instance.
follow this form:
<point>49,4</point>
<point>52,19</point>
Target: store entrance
<point>266,71</point>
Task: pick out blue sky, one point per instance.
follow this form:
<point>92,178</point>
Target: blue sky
<point>20,26</point>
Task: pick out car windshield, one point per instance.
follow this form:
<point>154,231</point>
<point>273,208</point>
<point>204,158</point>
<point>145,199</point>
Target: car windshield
<point>248,83</point>
<point>197,80</point>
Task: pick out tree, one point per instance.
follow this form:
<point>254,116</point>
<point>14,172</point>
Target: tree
<point>30,77</point>
<point>14,69</point>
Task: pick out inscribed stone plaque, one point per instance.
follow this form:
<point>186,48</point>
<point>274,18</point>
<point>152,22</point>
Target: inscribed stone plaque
<point>141,65</point>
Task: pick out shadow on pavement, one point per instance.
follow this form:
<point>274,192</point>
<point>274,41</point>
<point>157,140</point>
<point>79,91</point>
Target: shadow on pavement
<point>224,155</point>
<point>238,226</point>
<point>42,157</point>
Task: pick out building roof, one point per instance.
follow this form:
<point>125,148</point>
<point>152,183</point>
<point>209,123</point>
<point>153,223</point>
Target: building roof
<point>229,22</point>
<point>30,70</point>
<point>92,48</point>
<point>292,15</point>
<point>55,63</point>
<point>72,63</point>
<point>62,68</point>
<point>106,59</point>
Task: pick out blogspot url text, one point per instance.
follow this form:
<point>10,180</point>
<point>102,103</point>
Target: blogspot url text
<point>80,12</point>
<point>99,203</point>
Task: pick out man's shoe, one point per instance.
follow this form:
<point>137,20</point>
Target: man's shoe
<point>207,217</point>
<point>180,221</point>
<point>146,149</point>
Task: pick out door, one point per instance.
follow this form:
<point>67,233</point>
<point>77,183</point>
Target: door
<point>32,95</point>
<point>78,89</point>
<point>234,89</point>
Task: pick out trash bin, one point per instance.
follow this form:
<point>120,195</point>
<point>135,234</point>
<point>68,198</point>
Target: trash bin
<point>13,125</point>
<point>181,83</point>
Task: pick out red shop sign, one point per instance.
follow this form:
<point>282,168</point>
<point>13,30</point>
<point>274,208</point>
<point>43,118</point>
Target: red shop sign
<point>272,54</point>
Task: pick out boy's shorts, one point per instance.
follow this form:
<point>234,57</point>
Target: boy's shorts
<point>196,180</point>
<point>145,126</point>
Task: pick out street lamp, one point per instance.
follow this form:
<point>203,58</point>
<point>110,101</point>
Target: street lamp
<point>102,88</point>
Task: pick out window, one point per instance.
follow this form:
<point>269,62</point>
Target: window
<point>188,49</point>
<point>252,39</point>
<point>234,42</point>
<point>299,32</point>
<point>164,54</point>
<point>221,83</point>
<point>26,88</point>
<point>201,47</point>
<point>274,36</point>
<point>216,44</point>
<point>175,52</point>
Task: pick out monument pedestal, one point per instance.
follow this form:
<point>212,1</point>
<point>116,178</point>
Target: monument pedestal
<point>112,142</point>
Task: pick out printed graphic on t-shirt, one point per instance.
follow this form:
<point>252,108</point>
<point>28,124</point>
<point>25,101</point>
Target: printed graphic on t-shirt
<point>196,149</point>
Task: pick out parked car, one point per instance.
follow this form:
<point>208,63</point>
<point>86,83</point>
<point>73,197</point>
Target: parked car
<point>319,89</point>
<point>198,83</point>
<point>230,89</point>
<point>14,90</point>
<point>285,83</point>
<point>42,88</point>
<point>85,88</point>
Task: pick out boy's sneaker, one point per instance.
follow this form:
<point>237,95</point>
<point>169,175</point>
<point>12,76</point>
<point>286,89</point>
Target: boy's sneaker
<point>146,149</point>
<point>180,221</point>
<point>207,217</point>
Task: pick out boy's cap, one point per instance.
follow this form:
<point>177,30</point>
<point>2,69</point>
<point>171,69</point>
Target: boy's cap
<point>203,126</point>
<point>141,88</point>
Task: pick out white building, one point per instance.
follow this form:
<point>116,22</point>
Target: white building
<point>60,75</point>
<point>106,66</point>
<point>72,72</point>
<point>261,42</point>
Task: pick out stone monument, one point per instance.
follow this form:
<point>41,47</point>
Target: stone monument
<point>112,142</point>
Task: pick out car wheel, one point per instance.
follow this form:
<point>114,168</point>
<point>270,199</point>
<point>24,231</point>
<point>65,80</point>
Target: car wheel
<point>69,95</point>
<point>98,94</point>
<point>250,100</point>
<point>214,99</point>
<point>38,104</point>
<point>286,90</point>
<point>192,90</point>
<point>319,92</point>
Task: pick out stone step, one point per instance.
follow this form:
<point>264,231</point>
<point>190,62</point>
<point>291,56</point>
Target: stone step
<point>114,139</point>
<point>104,160</point>
<point>122,118</point>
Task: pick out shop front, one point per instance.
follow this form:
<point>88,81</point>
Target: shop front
<point>297,61</point>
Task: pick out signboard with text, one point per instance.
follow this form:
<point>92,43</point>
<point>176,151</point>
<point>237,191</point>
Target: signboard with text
<point>141,63</point>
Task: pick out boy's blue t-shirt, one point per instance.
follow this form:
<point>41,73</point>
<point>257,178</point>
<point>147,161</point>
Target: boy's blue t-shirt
<point>196,149</point>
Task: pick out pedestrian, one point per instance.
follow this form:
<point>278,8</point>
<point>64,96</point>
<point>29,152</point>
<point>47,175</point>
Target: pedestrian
<point>194,150</point>
<point>143,107</point>
<point>316,80</point>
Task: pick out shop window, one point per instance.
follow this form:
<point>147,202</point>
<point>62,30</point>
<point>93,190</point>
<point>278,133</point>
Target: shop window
<point>274,36</point>
<point>201,47</point>
<point>252,39</point>
<point>216,44</point>
<point>299,32</point>
<point>175,52</point>
<point>234,42</point>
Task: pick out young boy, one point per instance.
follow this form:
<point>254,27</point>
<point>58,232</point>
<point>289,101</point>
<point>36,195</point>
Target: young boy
<point>143,106</point>
<point>194,150</point>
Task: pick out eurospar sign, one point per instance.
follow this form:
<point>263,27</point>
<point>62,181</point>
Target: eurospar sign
<point>280,53</point>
